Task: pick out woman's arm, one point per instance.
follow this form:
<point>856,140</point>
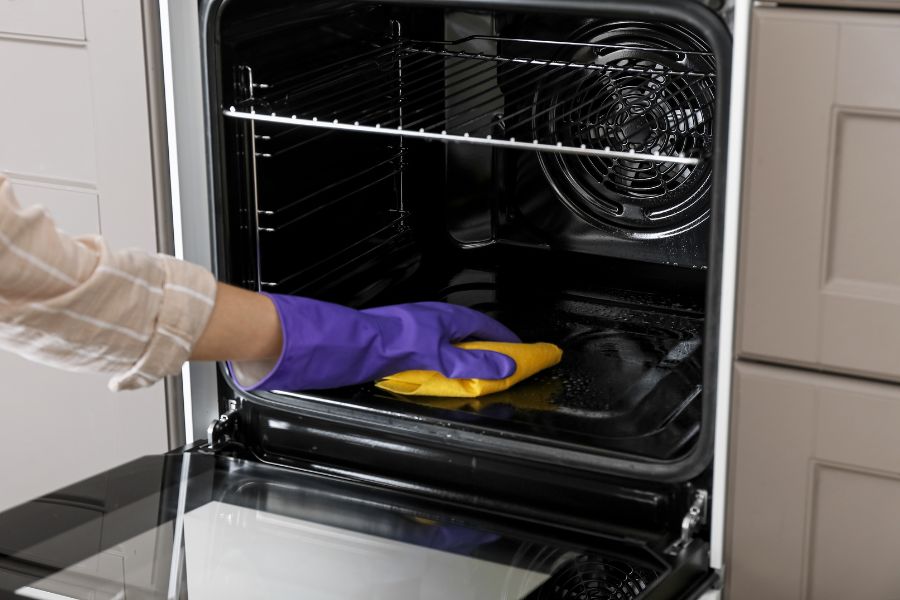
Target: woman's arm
<point>243,326</point>
<point>75,303</point>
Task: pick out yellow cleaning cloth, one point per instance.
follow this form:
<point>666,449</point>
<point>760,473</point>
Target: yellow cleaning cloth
<point>534,395</point>
<point>530,359</point>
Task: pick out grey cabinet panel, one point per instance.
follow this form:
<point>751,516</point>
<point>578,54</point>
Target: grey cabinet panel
<point>863,247</point>
<point>858,4</point>
<point>815,487</point>
<point>770,449</point>
<point>867,61</point>
<point>819,283</point>
<point>852,509</point>
<point>787,161</point>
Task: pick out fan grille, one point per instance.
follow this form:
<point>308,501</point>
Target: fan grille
<point>596,578</point>
<point>657,96</point>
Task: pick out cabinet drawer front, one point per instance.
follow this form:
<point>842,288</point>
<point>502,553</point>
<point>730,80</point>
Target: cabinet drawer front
<point>820,282</point>
<point>46,18</point>
<point>815,487</point>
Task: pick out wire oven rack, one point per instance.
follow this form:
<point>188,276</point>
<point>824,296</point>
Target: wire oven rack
<point>621,105</point>
<point>292,215</point>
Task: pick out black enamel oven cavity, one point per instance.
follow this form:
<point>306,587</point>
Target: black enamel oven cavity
<point>614,258</point>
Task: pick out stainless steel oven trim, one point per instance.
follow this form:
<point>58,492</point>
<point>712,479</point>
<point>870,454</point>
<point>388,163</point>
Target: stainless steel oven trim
<point>162,189</point>
<point>728,285</point>
<point>190,201</point>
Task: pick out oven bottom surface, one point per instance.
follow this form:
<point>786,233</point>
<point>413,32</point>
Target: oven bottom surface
<point>630,378</point>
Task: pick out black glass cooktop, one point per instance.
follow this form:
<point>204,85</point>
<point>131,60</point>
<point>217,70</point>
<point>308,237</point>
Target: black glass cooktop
<point>202,526</point>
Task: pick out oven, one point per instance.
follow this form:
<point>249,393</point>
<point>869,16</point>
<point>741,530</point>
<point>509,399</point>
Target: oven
<point>560,170</point>
<point>563,166</point>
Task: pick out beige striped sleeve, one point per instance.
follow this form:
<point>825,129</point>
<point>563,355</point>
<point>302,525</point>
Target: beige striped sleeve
<point>75,304</point>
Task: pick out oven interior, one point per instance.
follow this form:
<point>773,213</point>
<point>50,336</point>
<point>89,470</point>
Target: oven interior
<point>551,169</point>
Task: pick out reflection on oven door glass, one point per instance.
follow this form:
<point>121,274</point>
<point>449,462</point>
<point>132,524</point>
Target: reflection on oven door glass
<point>233,550</point>
<point>238,552</point>
<point>135,569</point>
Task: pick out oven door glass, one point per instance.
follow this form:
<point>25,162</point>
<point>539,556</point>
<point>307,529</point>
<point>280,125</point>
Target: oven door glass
<point>205,526</point>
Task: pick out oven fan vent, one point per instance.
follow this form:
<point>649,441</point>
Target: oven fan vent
<point>596,578</point>
<point>648,99</point>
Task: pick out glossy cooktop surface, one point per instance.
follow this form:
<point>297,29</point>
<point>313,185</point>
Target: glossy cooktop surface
<point>203,526</point>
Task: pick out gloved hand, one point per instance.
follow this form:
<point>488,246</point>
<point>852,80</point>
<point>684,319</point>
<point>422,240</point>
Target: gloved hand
<point>327,345</point>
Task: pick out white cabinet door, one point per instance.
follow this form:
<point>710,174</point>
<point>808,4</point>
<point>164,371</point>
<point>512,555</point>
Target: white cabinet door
<point>76,139</point>
<point>61,19</point>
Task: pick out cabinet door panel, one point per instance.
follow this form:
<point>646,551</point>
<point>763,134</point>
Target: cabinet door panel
<point>74,210</point>
<point>815,487</point>
<point>787,154</point>
<point>47,118</point>
<point>76,139</point>
<point>867,61</point>
<point>859,304</point>
<point>47,18</point>
<point>820,285</point>
<point>854,535</point>
<point>859,4</point>
<point>766,504</point>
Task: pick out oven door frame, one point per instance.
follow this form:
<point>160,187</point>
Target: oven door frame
<point>687,12</point>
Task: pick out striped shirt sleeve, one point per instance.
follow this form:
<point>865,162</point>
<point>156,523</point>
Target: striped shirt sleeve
<point>75,304</point>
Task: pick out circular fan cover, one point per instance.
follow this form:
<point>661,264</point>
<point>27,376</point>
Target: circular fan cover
<point>655,95</point>
<point>596,578</point>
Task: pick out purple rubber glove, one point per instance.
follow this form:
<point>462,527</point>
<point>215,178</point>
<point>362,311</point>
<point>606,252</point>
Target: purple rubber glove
<point>450,538</point>
<point>327,345</point>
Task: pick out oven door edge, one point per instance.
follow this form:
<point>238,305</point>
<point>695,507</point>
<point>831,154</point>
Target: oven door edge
<point>178,66</point>
<point>728,287</point>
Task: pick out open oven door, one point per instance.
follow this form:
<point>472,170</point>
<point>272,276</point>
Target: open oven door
<point>199,525</point>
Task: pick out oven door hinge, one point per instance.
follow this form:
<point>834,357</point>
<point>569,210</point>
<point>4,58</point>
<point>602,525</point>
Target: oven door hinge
<point>222,429</point>
<point>696,516</point>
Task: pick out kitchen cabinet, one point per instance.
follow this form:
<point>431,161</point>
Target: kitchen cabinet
<point>852,4</point>
<point>814,492</point>
<point>77,140</point>
<point>819,283</point>
<point>815,487</point>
